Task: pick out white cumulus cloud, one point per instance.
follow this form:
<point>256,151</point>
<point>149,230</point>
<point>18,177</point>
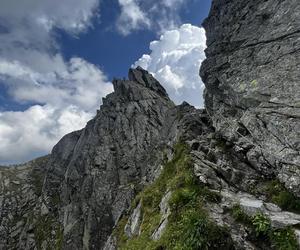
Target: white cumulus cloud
<point>175,60</point>
<point>32,133</point>
<point>149,14</point>
<point>132,17</point>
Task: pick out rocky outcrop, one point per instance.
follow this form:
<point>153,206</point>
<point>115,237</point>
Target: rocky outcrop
<point>103,164</point>
<point>165,212</point>
<point>20,189</point>
<point>92,175</point>
<point>252,82</point>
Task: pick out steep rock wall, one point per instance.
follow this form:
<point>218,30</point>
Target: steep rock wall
<point>252,78</point>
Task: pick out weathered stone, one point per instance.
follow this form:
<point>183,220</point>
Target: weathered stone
<point>252,82</point>
<point>110,243</point>
<point>165,212</point>
<point>252,206</point>
<point>132,227</point>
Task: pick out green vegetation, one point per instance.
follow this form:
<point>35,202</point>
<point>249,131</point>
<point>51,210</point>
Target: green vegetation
<point>188,226</point>
<point>284,239</point>
<point>277,193</point>
<point>260,226</point>
<point>47,230</point>
<point>254,83</point>
<point>191,229</point>
<point>240,216</point>
<point>242,86</point>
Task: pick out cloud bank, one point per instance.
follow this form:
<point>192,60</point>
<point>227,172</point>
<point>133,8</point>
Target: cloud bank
<point>175,60</point>
<point>63,94</point>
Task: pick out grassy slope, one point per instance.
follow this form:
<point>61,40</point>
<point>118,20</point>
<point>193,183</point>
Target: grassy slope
<point>188,225</point>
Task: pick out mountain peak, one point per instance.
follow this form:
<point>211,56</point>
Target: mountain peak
<point>146,79</point>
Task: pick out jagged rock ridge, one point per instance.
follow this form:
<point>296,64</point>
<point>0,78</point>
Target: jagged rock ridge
<point>92,175</point>
<point>103,163</point>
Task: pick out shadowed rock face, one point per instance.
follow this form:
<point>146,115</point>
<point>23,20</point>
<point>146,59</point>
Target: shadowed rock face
<point>252,78</point>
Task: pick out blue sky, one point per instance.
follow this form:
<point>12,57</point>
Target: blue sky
<point>57,59</point>
<point>114,52</point>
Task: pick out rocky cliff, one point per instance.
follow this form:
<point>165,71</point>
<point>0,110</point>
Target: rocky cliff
<point>252,82</point>
<point>145,173</point>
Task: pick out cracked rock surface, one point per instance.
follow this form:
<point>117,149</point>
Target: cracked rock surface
<point>252,75</point>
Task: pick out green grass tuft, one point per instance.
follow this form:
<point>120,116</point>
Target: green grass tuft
<point>261,224</point>
<point>190,228</point>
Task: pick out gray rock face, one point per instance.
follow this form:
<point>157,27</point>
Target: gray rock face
<point>102,164</point>
<point>20,189</point>
<point>141,76</point>
<point>252,78</point>
<point>92,175</point>
<point>132,227</point>
<point>165,212</point>
<point>252,206</point>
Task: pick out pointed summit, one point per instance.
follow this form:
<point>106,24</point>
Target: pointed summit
<point>144,78</point>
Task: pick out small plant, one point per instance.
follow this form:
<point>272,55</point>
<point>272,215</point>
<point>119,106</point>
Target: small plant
<point>278,194</point>
<point>262,224</point>
<point>254,83</point>
<point>284,239</point>
<point>199,233</point>
<point>239,215</point>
